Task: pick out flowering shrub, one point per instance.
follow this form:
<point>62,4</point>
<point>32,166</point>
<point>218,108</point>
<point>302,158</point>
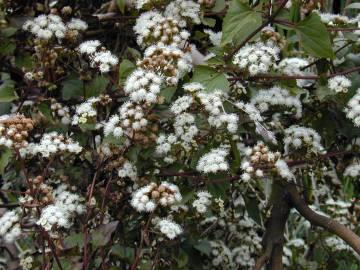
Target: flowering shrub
<point>195,134</point>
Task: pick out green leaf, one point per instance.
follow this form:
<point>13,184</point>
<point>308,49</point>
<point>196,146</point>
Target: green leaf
<point>101,235</point>
<point>204,247</point>
<point>314,38</point>
<point>5,155</point>
<point>126,67</point>
<point>24,61</point>
<point>239,22</point>
<point>252,207</point>
<point>72,88</point>
<point>45,109</point>
<point>96,86</point>
<point>219,6</point>
<point>168,93</point>
<point>210,78</point>
<point>73,240</point>
<point>353,6</point>
<point>182,259</point>
<point>125,253</point>
<point>7,89</point>
<point>121,5</point>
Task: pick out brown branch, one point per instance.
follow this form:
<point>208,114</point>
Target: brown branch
<point>295,77</point>
<point>315,219</point>
<point>248,38</point>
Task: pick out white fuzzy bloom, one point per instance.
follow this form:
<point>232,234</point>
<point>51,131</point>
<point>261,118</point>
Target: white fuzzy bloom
<point>9,226</point>
<point>214,161</point>
<point>333,19</point>
<point>297,137</point>
<point>50,144</point>
<point>148,198</point>
<point>339,84</point>
<point>143,86</point>
<point>154,28</point>
<point>292,66</point>
<point>181,104</point>
<point>215,37</point>
<point>89,47</point>
<point>102,59</point>
<point>352,170</point>
<point>46,27</point>
<point>283,170</point>
<point>85,111</point>
<point>60,214</point>
<point>193,87</point>
<point>256,58</point>
<point>276,96</point>
<point>77,24</point>
<point>183,11</point>
<point>128,170</point>
<point>202,202</point>
<point>170,228</point>
<point>352,109</point>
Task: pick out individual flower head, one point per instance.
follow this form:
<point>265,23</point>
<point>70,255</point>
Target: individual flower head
<point>256,58</point>
<point>183,11</point>
<point>153,28</point>
<point>214,161</point>
<point>170,228</point>
<point>352,109</point>
<point>143,86</point>
<point>297,137</point>
<point>275,96</point>
<point>339,84</point>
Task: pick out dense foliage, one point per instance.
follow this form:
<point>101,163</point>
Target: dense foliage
<point>184,134</point>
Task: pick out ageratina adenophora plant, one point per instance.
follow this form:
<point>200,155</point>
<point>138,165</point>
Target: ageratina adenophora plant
<point>155,134</point>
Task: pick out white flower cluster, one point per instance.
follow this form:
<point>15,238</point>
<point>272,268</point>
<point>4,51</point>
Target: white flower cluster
<point>153,28</point>
<point>168,61</point>
<point>99,57</point>
<point>85,111</point>
<point>276,96</point>
<point>297,137</point>
<point>47,26</point>
<point>128,170</point>
<point>131,118</point>
<point>143,86</point>
<point>250,110</point>
<point>147,198</point>
<point>50,144</point>
<point>256,58</point>
<point>60,214</point>
<point>9,226</point>
<point>193,87</point>
<point>214,106</point>
<point>352,170</point>
<point>170,228</point>
<point>202,202</point>
<point>353,108</point>
<point>292,66</point>
<point>185,127</point>
<point>339,84</point>
<point>183,11</point>
<point>214,161</point>
<point>26,262</point>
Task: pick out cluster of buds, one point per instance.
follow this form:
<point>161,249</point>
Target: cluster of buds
<point>38,193</point>
<point>268,34</point>
<point>14,130</point>
<point>104,99</point>
<point>46,55</point>
<point>170,62</point>
<point>34,75</point>
<point>257,157</point>
<point>207,3</point>
<point>149,197</point>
